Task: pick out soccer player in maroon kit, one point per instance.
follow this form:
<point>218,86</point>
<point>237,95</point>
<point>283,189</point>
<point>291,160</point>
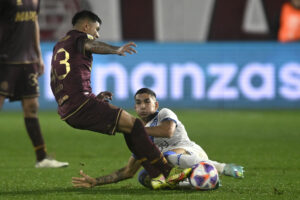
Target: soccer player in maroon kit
<point>20,65</point>
<point>81,109</point>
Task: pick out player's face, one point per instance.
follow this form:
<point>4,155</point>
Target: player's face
<point>93,28</point>
<point>145,105</point>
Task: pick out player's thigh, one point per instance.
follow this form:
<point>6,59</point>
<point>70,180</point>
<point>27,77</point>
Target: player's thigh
<point>9,76</point>
<point>179,151</point>
<point>197,150</point>
<point>18,81</point>
<point>97,116</point>
<point>126,122</point>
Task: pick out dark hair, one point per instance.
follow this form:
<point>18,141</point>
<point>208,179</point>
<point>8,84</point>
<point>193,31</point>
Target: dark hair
<point>145,90</point>
<point>85,14</point>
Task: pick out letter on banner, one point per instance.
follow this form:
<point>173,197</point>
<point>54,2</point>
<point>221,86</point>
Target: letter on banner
<point>179,72</point>
<point>266,90</point>
<point>289,75</point>
<point>220,88</point>
<point>119,74</point>
<point>159,74</point>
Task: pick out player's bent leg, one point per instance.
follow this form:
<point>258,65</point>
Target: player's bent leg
<point>126,122</point>
<point>183,159</point>
<point>219,166</point>
<point>139,143</point>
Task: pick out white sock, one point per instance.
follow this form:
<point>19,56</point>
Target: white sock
<point>183,160</point>
<point>188,160</point>
<point>218,166</point>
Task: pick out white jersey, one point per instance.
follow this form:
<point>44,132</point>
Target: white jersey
<point>180,138</point>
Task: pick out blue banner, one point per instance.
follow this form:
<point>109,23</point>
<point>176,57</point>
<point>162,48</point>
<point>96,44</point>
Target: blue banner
<point>195,75</point>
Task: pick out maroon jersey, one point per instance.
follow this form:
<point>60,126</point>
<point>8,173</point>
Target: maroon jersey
<point>17,31</point>
<point>71,73</point>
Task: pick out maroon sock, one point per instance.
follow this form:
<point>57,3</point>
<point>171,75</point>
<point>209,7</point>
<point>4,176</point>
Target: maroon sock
<point>34,132</point>
<point>145,150</point>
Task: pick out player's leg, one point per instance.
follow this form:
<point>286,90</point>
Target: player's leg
<point>183,160</point>
<point>185,157</point>
<point>189,156</point>
<point>139,143</point>
<point>153,161</point>
<point>27,89</point>
<point>30,109</point>
<point>229,169</point>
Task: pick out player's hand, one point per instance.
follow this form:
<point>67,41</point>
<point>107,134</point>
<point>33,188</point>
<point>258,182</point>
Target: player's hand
<point>105,96</point>
<point>127,48</point>
<point>41,66</point>
<point>83,182</point>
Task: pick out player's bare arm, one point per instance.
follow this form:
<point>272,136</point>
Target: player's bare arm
<point>98,47</point>
<point>38,48</point>
<point>165,129</point>
<point>124,173</point>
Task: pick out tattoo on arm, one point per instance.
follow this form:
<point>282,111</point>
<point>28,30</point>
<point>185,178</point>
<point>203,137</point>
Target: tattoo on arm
<point>113,178</point>
<point>102,48</point>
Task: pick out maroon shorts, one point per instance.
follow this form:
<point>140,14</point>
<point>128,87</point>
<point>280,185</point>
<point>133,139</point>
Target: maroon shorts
<point>96,115</point>
<point>18,81</point>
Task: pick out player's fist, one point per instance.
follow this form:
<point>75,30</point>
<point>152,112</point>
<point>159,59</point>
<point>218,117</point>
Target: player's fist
<point>105,96</point>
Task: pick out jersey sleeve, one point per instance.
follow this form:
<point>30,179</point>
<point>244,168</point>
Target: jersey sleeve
<point>81,42</point>
<point>167,114</point>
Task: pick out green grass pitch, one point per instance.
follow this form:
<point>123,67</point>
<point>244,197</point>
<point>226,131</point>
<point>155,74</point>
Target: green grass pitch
<point>266,143</point>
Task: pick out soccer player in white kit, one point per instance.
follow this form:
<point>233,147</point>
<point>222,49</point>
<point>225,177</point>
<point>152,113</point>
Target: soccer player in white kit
<point>170,136</point>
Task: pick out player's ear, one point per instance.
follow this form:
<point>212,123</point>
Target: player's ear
<point>156,105</point>
<point>86,26</point>
<point>135,106</point>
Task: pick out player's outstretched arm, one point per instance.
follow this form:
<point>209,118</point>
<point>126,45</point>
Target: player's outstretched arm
<point>124,173</point>
<point>165,129</point>
<point>98,47</point>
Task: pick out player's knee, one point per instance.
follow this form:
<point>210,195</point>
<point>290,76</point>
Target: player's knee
<point>138,127</point>
<point>126,122</point>
<point>31,108</point>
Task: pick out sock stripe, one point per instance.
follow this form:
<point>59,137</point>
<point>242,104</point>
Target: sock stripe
<point>178,159</point>
<point>142,160</point>
<point>157,159</point>
<point>42,146</point>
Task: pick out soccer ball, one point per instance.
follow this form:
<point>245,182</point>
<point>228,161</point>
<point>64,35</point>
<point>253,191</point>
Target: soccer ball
<point>204,176</point>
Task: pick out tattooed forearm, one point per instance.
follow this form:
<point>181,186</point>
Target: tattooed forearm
<point>102,48</point>
<point>113,178</point>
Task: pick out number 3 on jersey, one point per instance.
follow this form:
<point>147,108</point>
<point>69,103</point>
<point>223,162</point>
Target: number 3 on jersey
<point>60,54</point>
